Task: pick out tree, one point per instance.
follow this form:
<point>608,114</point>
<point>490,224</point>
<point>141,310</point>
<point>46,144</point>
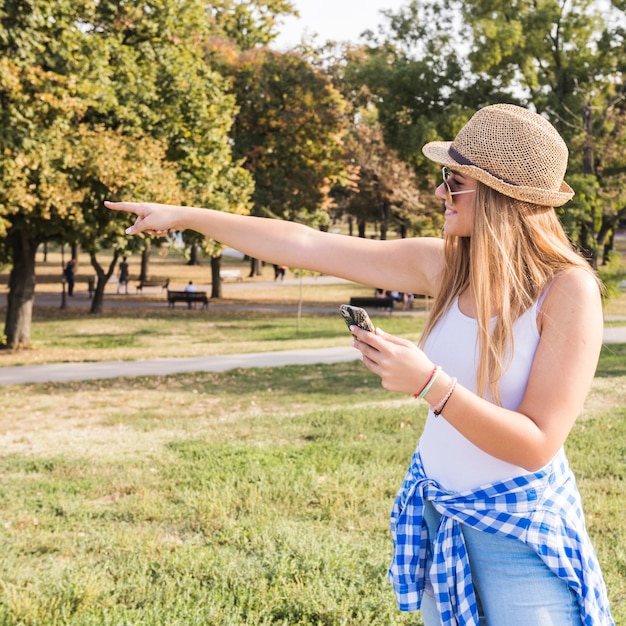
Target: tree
<point>382,186</point>
<point>249,23</point>
<point>289,133</point>
<point>39,102</point>
<point>385,189</point>
<point>98,100</point>
<point>184,97</point>
<point>567,58</point>
<point>564,59</point>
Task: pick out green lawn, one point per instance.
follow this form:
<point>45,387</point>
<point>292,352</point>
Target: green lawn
<point>151,333</point>
<point>247,497</point>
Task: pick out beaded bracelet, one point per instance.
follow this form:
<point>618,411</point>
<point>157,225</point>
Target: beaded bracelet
<point>438,408</point>
<point>429,384</point>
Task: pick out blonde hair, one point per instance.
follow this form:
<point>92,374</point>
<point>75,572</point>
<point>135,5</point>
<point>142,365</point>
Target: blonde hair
<point>515,251</point>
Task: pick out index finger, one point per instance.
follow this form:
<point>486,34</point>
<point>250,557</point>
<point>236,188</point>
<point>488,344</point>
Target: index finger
<point>131,207</point>
<point>367,336</point>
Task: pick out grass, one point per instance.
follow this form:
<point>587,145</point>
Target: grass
<point>253,316</point>
<point>246,497</point>
<point>150,333</point>
<point>250,497</point>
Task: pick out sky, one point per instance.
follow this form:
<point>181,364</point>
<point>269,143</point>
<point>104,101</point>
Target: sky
<point>337,20</point>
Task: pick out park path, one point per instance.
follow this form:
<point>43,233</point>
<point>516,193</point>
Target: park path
<point>65,372</point>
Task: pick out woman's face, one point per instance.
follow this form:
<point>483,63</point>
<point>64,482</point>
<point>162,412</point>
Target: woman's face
<point>459,214</point>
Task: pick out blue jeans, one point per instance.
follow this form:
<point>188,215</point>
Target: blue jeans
<point>513,585</point>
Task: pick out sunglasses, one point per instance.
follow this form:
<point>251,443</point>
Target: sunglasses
<point>449,193</point>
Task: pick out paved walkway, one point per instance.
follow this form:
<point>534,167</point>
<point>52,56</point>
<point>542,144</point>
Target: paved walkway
<point>63,372</point>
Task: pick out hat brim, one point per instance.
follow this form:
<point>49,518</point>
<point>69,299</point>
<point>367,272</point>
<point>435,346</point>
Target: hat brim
<point>438,151</point>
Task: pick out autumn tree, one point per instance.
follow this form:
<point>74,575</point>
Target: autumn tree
<point>101,100</point>
<point>289,132</point>
<point>384,188</point>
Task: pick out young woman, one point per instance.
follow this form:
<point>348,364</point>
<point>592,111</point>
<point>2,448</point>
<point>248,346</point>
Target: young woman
<point>488,527</point>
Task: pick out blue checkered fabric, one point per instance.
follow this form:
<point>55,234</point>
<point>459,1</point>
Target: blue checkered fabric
<point>542,509</point>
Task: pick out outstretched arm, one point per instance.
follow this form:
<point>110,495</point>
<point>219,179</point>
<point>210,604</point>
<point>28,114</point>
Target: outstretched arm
<point>408,265</point>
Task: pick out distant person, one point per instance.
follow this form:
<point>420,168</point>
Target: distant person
<point>91,286</point>
<point>488,525</point>
<point>124,275</point>
<point>279,272</point>
<point>69,273</point>
<point>190,288</point>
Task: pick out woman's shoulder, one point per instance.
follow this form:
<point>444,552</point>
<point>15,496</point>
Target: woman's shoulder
<point>576,281</point>
<point>574,292</point>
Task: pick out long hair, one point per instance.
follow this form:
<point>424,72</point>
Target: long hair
<point>515,251</point>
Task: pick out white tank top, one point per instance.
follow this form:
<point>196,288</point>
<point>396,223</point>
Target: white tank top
<point>448,457</point>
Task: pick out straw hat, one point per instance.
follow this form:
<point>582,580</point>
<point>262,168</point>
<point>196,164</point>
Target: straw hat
<point>512,150</point>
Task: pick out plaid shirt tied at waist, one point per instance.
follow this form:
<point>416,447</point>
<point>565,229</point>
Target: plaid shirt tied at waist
<point>543,510</point>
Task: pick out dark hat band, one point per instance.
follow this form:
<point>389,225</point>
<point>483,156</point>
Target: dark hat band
<point>461,160</point>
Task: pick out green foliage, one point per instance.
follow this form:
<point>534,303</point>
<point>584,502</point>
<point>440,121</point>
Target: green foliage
<point>100,100</point>
<point>250,22</point>
<point>612,274</point>
<point>416,77</point>
<point>565,60</point>
<point>122,110</point>
<point>579,216</point>
<point>568,60</point>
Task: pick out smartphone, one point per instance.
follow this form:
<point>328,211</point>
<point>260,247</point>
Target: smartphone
<point>356,316</point>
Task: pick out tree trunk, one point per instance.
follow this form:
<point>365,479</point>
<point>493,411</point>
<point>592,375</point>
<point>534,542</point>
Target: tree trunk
<point>144,273</point>
<point>609,246</point>
<point>102,277</point>
<point>605,236</point>
<point>21,291</point>
<point>216,281</point>
<point>587,239</point>
<point>361,226</point>
<point>194,254</point>
<point>385,210</point>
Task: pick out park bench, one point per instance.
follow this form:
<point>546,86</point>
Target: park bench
<point>190,297</point>
<point>159,282</point>
<point>386,302</point>
<point>232,274</point>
